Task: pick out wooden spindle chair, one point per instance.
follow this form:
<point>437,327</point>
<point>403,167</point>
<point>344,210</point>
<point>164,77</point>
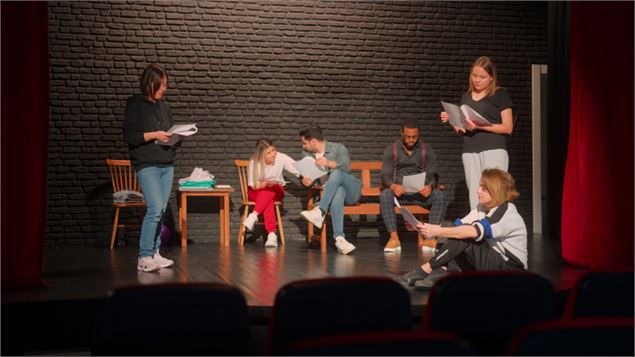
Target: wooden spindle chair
<point>123,177</point>
<point>241,166</point>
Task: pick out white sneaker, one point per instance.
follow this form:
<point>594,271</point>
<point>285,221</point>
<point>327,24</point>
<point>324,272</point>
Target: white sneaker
<point>163,262</point>
<point>343,246</point>
<point>429,246</point>
<point>249,222</point>
<point>147,264</point>
<point>272,240</point>
<point>426,249</point>
<point>314,216</point>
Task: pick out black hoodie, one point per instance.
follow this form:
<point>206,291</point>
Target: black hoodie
<point>142,116</point>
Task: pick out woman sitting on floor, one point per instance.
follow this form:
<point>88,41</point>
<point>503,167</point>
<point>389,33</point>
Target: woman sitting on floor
<point>492,236</point>
<point>266,185</point>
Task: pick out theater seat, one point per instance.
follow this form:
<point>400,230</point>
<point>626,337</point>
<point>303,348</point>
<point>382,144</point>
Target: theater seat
<point>605,293</point>
<point>382,343</point>
<point>582,337</point>
<point>488,308</point>
<point>172,319</point>
<point>334,306</point>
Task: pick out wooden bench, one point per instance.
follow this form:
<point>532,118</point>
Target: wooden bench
<point>362,169</point>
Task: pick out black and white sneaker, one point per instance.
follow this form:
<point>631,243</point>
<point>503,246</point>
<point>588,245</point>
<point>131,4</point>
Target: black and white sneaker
<point>432,278</point>
<point>411,277</point>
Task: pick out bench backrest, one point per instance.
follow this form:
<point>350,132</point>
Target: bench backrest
<point>365,168</point>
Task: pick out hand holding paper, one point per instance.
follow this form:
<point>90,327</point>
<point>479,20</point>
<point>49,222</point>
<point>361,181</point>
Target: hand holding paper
<point>408,217</point>
<point>414,183</point>
<point>178,131</point>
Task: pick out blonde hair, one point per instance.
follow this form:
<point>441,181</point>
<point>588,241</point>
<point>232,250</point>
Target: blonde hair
<point>488,65</point>
<point>500,185</point>
<point>258,158</point>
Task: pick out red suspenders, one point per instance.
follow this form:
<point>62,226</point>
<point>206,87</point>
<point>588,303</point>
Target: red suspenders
<point>394,159</point>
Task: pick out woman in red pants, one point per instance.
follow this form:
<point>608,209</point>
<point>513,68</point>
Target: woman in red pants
<point>266,185</point>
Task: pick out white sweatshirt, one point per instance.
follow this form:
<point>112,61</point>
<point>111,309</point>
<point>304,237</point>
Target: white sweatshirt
<point>502,227</point>
<point>273,172</point>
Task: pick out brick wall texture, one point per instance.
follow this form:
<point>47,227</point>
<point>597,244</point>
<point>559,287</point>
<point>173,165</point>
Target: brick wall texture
<point>242,70</point>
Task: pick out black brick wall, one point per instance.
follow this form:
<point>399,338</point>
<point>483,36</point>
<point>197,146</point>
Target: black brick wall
<point>241,70</point>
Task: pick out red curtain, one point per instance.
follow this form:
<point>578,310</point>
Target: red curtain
<point>597,202</point>
<point>25,139</point>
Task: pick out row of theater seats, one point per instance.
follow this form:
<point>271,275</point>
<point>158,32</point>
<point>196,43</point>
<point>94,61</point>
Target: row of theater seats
<point>489,313</point>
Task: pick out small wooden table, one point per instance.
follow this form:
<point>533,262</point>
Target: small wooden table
<point>222,194</point>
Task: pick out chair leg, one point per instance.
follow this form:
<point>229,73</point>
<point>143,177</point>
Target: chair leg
<point>114,229</point>
<point>241,229</point>
<point>280,224</point>
<point>309,234</point>
<point>323,238</point>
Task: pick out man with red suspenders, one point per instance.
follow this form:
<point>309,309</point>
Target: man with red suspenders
<point>409,156</point>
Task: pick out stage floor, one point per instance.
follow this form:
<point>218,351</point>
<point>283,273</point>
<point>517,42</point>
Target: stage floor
<point>60,319</point>
<point>89,272</point>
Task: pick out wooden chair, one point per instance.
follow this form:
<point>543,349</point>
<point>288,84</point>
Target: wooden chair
<point>123,178</point>
<point>241,166</point>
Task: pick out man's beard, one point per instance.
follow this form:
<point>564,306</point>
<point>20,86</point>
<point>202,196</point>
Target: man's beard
<point>409,147</point>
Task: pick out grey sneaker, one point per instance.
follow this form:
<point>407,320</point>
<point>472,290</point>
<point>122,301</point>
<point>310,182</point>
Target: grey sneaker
<point>343,246</point>
<point>272,240</point>
<point>314,216</point>
<point>161,261</point>
<point>147,264</point>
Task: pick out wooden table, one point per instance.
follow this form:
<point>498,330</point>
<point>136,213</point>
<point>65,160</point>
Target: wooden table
<point>223,196</point>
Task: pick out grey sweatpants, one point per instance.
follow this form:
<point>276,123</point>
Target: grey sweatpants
<point>475,162</point>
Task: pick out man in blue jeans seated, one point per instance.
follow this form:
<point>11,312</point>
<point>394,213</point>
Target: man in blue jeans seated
<point>340,188</point>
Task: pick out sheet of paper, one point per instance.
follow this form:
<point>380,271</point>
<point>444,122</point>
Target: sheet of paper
<point>308,168</point>
<point>474,116</point>
<point>455,114</point>
<point>412,220</point>
<point>414,183</point>
<point>183,129</point>
<point>178,131</point>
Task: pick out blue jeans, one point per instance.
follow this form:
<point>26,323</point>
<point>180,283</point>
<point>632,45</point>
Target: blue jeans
<point>341,188</point>
<point>156,185</point>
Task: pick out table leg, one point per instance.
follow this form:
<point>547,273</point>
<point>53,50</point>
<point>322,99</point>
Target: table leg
<point>221,220</point>
<point>226,217</point>
<point>183,220</point>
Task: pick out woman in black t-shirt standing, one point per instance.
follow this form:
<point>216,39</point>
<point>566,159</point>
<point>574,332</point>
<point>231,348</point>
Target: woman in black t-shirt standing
<point>484,146</point>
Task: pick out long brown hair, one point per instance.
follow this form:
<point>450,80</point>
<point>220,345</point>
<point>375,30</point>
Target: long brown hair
<point>488,65</point>
<point>500,185</point>
<point>258,158</point>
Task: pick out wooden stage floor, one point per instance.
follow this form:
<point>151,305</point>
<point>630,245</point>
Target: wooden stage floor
<point>88,272</point>
<point>59,319</point>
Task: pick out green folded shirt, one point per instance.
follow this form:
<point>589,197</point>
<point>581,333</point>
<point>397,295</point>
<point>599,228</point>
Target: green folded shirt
<point>206,183</point>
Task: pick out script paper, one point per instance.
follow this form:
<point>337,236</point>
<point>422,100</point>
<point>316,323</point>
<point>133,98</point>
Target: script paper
<point>454,114</point>
<point>414,183</point>
<point>412,220</point>
<point>177,132</point>
<point>308,168</point>
<point>457,115</point>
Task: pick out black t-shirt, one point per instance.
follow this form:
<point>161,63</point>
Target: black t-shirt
<point>489,107</point>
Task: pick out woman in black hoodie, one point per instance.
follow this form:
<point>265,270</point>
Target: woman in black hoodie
<point>146,120</point>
